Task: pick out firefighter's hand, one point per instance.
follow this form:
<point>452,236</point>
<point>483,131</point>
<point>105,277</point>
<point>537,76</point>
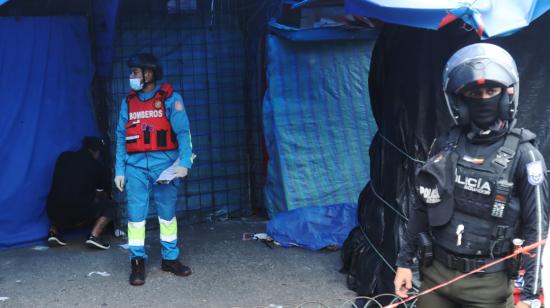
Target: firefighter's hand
<point>119,182</point>
<point>181,172</point>
<point>402,281</point>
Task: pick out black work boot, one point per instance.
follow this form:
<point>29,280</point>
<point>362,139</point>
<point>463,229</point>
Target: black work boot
<point>137,277</point>
<point>175,267</point>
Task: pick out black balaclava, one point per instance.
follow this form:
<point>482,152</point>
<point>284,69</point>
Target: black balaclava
<point>483,111</point>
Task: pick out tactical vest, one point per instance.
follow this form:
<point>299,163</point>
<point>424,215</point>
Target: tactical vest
<point>148,128</point>
<point>486,208</point>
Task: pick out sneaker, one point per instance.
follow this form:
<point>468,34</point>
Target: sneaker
<point>175,267</point>
<point>96,242</point>
<point>55,240</point>
<point>137,277</point>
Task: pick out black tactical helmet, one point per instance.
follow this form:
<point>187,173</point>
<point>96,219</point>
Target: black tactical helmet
<point>480,64</point>
<point>144,61</point>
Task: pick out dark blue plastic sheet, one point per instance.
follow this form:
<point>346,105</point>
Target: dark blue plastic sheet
<point>314,227</point>
<point>45,79</point>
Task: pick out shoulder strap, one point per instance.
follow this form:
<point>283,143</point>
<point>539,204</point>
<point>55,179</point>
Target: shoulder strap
<point>453,138</point>
<point>503,163</point>
<point>131,95</point>
<point>507,152</point>
<point>165,91</point>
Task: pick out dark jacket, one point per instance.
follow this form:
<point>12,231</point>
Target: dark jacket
<point>533,204</point>
<point>77,176</point>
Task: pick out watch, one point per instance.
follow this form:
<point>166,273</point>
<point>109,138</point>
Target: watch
<point>532,303</point>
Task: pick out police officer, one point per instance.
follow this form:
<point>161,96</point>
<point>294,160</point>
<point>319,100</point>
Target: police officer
<point>483,187</point>
<point>152,135</point>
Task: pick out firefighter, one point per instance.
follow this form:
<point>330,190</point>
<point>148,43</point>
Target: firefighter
<point>152,135</point>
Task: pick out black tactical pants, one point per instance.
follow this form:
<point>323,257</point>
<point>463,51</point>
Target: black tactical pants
<point>492,290</point>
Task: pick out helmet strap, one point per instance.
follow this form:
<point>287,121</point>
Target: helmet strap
<point>461,110</point>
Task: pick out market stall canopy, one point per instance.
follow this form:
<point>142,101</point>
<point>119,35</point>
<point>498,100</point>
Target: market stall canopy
<point>488,18</point>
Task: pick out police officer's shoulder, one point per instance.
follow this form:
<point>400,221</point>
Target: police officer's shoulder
<point>526,136</point>
<point>528,144</point>
<point>449,138</point>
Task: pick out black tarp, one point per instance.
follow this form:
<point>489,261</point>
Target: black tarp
<point>405,84</point>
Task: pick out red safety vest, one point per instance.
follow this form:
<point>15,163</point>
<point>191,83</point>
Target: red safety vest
<point>148,129</point>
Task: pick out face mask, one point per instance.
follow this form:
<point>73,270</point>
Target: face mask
<point>136,84</point>
<point>483,112</point>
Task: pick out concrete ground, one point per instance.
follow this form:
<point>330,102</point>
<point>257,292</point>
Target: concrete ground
<point>227,272</point>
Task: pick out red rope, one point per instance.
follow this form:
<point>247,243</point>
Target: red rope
<point>521,250</point>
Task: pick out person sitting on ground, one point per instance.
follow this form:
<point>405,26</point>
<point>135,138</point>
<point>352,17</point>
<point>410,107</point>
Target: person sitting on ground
<point>80,194</point>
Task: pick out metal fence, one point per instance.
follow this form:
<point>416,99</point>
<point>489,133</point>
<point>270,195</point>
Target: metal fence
<point>211,53</point>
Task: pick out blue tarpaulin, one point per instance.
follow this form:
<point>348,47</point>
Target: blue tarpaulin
<point>318,127</point>
<point>318,123</point>
<point>488,17</point>
<point>46,109</point>
<point>314,227</point>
